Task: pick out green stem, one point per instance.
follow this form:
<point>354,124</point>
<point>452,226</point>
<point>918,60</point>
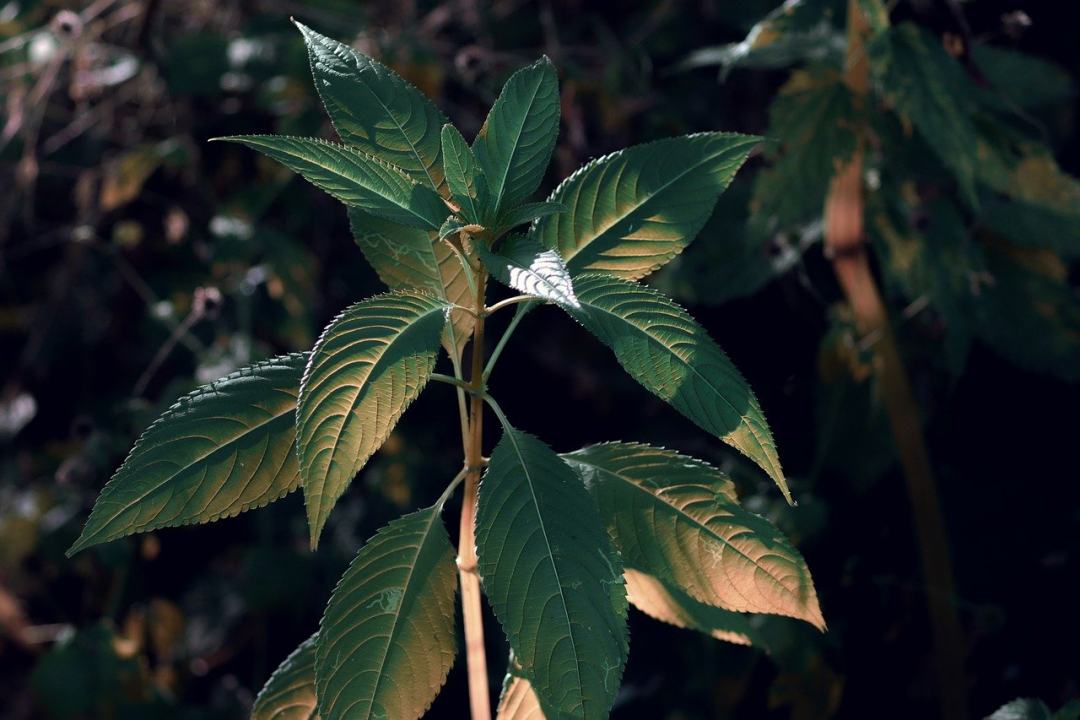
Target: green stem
<point>503,339</point>
<point>507,303</point>
<point>450,488</point>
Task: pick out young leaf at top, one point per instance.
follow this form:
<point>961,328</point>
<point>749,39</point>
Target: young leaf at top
<point>355,178</point>
<point>369,365</point>
<point>468,185</point>
<point>552,576</point>
<point>289,694</point>
<point>666,603</point>
<point>528,268</point>
<point>664,349</point>
<point>634,210</point>
<point>451,226</point>
<point>407,258</point>
<point>375,110</point>
<point>514,145</point>
<point>518,701</point>
<point>528,212</point>
<point>386,641</point>
<point>222,449</point>
<point>687,531</point>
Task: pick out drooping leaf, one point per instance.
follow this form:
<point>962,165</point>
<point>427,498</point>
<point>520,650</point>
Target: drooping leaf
<point>386,641</point>
<point>670,354</point>
<point>931,90</point>
<point>552,576</point>
<point>410,258</point>
<point>668,604</point>
<point>375,110</point>
<point>224,448</point>
<point>813,119</point>
<point>632,211</point>
<point>688,531</point>
<point>371,362</point>
<point>289,694</point>
<point>514,145</point>
<point>355,178</point>
<point>527,267</point>
<point>518,701</point>
<point>468,185</point>
<point>530,211</point>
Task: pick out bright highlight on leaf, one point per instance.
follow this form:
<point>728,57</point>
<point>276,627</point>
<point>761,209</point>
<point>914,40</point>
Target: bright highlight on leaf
<point>665,350</point>
<point>528,268</point>
<point>552,576</point>
<point>688,531</point>
<point>224,448</point>
<point>289,694</point>
<point>666,603</point>
<point>634,210</point>
<point>369,365</point>
<point>387,638</point>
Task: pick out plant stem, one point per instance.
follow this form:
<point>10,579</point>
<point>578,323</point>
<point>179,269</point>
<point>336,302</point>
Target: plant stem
<point>503,339</point>
<point>845,243</point>
<point>475,655</point>
<point>508,302</point>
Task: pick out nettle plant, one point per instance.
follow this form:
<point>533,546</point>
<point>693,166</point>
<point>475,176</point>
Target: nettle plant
<point>558,543</point>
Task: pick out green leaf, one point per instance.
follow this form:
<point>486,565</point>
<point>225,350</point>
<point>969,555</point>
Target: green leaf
<point>220,450</point>
<point>666,603</point>
<point>375,110</point>
<point>665,350</point>
<point>552,576</point>
<point>386,641</point>
<point>355,178</point>
<point>451,226</point>
<point>518,701</point>
<point>530,211</point>
<point>930,88</point>
<point>514,145</point>
<point>410,258</point>
<point>1026,80</point>
<point>685,528</point>
<point>468,186</point>
<point>289,694</point>
<point>632,211</point>
<point>371,362</point>
<point>525,266</point>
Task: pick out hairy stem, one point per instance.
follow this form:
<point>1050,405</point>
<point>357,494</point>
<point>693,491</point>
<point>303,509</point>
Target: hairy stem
<point>845,243</point>
<point>475,655</point>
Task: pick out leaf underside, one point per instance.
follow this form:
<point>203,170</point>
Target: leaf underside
<point>371,362</point>
<point>222,449</point>
<point>387,638</point>
<point>632,211</point>
<point>523,265</point>
<point>553,577</point>
<point>688,531</point>
<point>670,354</point>
<point>518,701</point>
<point>666,603</point>
<point>289,694</point>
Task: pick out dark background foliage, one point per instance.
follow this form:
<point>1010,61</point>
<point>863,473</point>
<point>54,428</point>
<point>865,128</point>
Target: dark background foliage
<point>137,261</point>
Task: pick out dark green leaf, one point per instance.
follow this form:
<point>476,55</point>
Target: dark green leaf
<point>468,185</point>
<point>665,350</point>
<point>369,365</point>
<point>553,577</point>
<point>530,211</point>
<point>224,448</point>
<point>632,211</point>
<point>514,145</point>
<point>1026,80</point>
<point>357,179</point>
<point>451,226</point>
<point>386,641</point>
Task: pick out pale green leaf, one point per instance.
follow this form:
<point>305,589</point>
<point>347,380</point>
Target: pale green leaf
<point>375,110</point>
<point>666,603</point>
<point>410,258</point>
<point>514,145</point>
<point>634,210</point>
<point>670,354</point>
<point>371,362</point>
<point>528,212</point>
<point>224,448</point>
<point>525,266</point>
<point>289,694</point>
<point>355,178</point>
<point>552,576</point>
<point>688,531</point>
<point>386,641</point>
<point>468,186</point>
<point>518,701</point>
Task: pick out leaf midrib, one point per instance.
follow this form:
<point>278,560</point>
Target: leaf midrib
<point>514,151</point>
